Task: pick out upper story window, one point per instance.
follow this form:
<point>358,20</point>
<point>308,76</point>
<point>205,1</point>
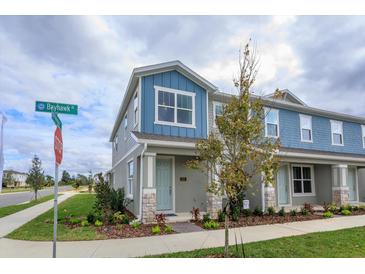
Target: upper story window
<point>130,178</point>
<point>135,107</point>
<point>306,128</point>
<point>174,107</point>
<point>271,122</point>
<point>116,143</point>
<point>303,180</point>
<point>217,111</point>
<point>337,133</point>
<point>363,135</point>
<point>125,126</point>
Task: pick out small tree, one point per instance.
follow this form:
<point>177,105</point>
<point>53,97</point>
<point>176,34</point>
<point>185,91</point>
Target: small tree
<point>239,151</point>
<point>49,181</point>
<point>66,178</point>
<point>35,177</point>
<point>90,182</point>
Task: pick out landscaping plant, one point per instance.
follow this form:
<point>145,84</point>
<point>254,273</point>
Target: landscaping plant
<point>156,230</point>
<point>168,229</point>
<point>271,211</point>
<point>206,217</point>
<point>257,211</point>
<point>221,216</point>
<point>98,223</point>
<point>345,212</point>
<point>211,225</point>
<point>239,150</point>
<point>304,211</point>
<point>235,215</point>
<point>309,208</point>
<point>281,212</point>
<point>246,212</point>
<point>135,224</point>
<point>84,223</point>
<point>195,214</point>
<point>328,214</point>
<point>293,212</point>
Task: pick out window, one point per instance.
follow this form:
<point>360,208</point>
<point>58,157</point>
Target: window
<point>116,143</point>
<point>130,178</point>
<point>271,122</point>
<point>217,111</point>
<point>305,128</point>
<point>125,126</point>
<point>174,107</point>
<point>135,105</point>
<point>363,135</point>
<point>303,181</point>
<point>337,133</point>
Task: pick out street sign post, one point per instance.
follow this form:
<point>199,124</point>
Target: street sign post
<point>56,108</point>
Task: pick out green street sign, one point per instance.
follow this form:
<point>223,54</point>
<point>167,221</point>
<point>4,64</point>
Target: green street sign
<point>56,120</point>
<point>55,107</point>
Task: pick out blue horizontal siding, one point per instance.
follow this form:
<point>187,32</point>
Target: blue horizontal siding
<point>321,128</point>
<point>175,80</point>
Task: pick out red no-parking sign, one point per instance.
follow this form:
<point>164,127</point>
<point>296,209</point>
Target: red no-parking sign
<point>58,145</point>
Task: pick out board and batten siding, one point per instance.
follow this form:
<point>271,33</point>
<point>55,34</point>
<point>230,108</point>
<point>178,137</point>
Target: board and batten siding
<point>174,80</point>
<point>289,124</point>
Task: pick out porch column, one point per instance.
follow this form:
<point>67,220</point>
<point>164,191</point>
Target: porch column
<point>214,202</point>
<point>340,189</point>
<point>149,188</point>
<point>269,196</point>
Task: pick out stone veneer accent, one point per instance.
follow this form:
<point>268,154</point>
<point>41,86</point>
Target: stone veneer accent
<point>270,197</point>
<point>148,205</point>
<point>340,195</point>
<point>214,205</point>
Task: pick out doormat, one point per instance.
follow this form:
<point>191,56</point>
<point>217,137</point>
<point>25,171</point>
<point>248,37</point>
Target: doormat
<point>170,215</point>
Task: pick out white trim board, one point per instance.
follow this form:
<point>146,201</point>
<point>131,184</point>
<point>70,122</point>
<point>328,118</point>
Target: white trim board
<point>125,156</point>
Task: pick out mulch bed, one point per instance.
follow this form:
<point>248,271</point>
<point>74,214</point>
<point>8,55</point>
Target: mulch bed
<point>127,231</point>
<point>265,220</point>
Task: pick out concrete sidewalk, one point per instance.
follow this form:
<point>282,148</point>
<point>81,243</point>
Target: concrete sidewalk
<point>13,221</point>
<point>135,247</point>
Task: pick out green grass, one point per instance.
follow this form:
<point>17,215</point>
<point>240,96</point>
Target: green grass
<point>347,243</point>
<point>16,189</point>
<point>41,228</point>
<point>7,210</point>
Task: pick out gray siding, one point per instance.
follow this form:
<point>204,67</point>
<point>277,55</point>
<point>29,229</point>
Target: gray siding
<point>361,181</point>
<point>126,142</point>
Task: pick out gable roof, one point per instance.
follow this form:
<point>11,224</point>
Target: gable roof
<point>153,69</point>
<point>287,95</point>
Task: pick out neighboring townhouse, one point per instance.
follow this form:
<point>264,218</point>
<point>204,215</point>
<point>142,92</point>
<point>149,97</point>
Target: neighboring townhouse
<point>168,107</point>
<point>18,178</point>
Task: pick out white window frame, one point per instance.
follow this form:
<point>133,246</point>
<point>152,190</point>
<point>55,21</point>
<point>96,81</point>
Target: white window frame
<point>215,103</point>
<point>267,110</point>
<point>125,125</point>
<point>363,135</point>
<point>301,117</point>
<point>175,92</point>
<point>313,185</point>
<point>130,180</point>
<point>333,122</point>
<point>135,109</point>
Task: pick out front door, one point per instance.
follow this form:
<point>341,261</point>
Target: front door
<point>164,184</point>
<point>283,185</point>
<point>352,183</point>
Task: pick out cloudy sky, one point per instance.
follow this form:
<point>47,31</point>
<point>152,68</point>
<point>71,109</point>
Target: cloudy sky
<point>88,61</point>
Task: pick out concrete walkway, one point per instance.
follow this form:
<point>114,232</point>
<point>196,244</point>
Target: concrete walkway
<point>13,221</point>
<point>171,243</point>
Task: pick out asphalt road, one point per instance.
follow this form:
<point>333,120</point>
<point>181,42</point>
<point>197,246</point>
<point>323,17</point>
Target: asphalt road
<point>21,197</point>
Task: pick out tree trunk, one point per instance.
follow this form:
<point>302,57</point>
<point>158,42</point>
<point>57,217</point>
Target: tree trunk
<point>36,194</point>
<point>226,235</point>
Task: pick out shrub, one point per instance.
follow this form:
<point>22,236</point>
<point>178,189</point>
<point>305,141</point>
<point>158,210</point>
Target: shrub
<point>74,221</point>
<point>345,212</point>
<point>257,211</point>
<point>156,230</point>
<point>362,207</point>
<point>91,217</point>
<point>84,223</point>
<point>235,215</point>
<point>211,225</point>
<point>281,212</point>
<point>206,218</point>
<point>135,224</point>
<point>271,210</point>
<point>168,229</point>
<point>246,212</point>
<point>293,212</point>
<point>328,214</point>
<point>120,218</point>
<point>309,208</point>
<point>304,211</point>
<point>98,223</point>
<point>221,216</point>
<point>118,201</point>
<point>354,208</point>
<point>195,214</point>
<point>160,219</point>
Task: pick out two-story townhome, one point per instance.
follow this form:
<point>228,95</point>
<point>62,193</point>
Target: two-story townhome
<point>168,107</point>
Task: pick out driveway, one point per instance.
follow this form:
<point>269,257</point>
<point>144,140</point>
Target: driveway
<point>135,247</point>
<point>7,199</point>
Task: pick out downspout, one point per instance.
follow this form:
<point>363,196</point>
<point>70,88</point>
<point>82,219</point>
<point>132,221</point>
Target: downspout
<point>141,183</point>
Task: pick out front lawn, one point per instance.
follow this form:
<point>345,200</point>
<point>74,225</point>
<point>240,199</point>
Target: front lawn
<point>7,210</point>
<point>14,189</point>
<point>41,228</point>
<point>347,243</point>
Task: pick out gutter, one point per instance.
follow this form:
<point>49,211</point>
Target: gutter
<point>141,183</point>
